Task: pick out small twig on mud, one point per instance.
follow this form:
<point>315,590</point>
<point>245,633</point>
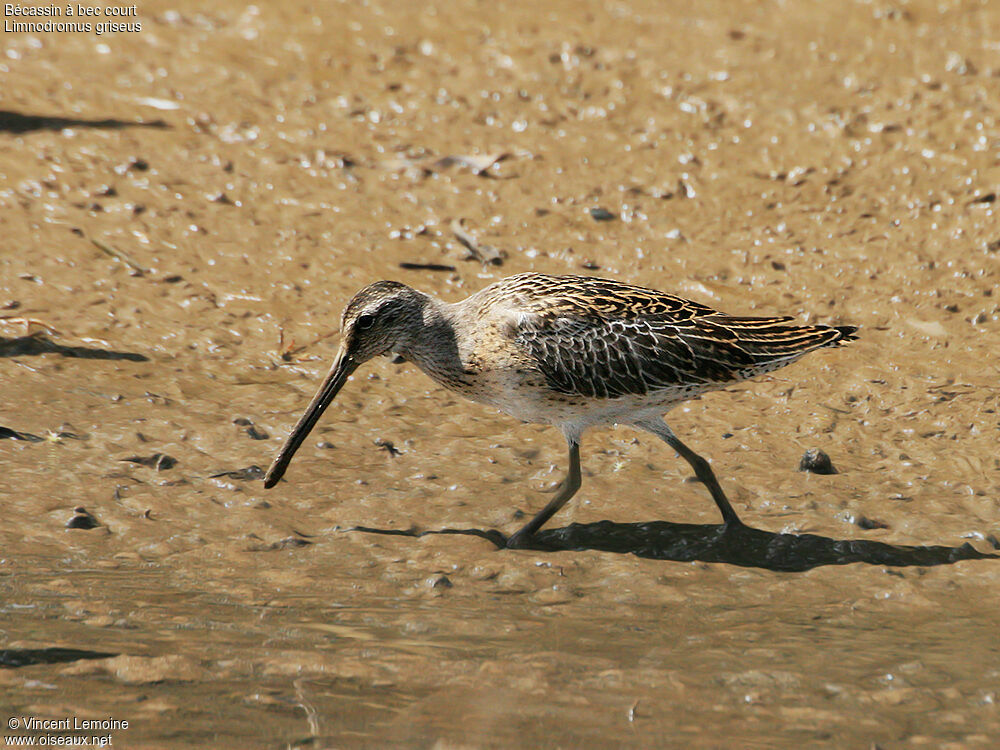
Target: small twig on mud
<point>286,353</point>
<point>478,250</point>
<point>120,255</point>
<point>27,323</point>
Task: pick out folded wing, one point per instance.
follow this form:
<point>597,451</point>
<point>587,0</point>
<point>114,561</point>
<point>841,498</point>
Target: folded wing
<point>608,355</point>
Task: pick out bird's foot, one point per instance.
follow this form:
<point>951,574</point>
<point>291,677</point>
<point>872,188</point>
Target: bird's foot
<point>496,537</point>
<point>733,525</point>
<point>520,540</point>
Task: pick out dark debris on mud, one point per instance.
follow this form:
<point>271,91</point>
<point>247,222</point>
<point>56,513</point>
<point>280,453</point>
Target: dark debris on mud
<point>37,343</point>
<point>158,461</point>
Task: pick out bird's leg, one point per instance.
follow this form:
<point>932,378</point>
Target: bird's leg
<point>701,467</point>
<point>567,489</point>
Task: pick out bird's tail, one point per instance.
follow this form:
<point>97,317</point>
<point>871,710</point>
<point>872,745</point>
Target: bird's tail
<point>847,333</point>
<point>780,337</point>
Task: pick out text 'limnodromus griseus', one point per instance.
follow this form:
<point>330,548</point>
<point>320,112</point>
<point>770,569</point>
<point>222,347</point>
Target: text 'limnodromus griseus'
<point>569,351</point>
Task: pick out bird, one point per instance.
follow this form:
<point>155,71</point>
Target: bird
<point>573,352</point>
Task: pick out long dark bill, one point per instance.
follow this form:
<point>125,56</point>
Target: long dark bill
<point>341,369</point>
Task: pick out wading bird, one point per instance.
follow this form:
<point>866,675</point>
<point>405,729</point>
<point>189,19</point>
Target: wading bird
<point>570,351</point>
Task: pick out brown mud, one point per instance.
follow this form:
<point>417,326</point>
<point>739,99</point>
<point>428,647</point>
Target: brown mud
<point>186,209</point>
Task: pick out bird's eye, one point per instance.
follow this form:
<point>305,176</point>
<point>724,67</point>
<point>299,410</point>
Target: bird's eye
<point>364,322</point>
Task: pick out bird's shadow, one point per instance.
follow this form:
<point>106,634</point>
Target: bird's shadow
<point>736,544</point>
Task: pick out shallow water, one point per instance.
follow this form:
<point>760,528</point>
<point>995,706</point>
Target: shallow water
<point>187,209</point>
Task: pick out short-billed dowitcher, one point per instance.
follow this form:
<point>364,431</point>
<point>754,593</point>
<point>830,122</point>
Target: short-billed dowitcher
<point>569,351</point>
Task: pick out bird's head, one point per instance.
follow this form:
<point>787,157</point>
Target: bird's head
<point>379,319</point>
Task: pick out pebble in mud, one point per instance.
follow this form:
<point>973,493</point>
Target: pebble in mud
<point>254,434</point>
<point>82,519</point>
<point>252,431</point>
<point>816,461</point>
<point>158,461</point>
<point>602,214</point>
<point>870,523</point>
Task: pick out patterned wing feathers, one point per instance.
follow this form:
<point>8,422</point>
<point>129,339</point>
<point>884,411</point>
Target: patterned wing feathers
<point>601,338</point>
<point>601,357</point>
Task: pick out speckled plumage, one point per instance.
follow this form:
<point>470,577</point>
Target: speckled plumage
<point>603,339</point>
<point>570,351</point>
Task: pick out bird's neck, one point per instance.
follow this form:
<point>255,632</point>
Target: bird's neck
<point>433,347</point>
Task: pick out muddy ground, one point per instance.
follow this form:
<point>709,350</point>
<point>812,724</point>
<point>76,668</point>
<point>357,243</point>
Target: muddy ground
<point>185,210</point>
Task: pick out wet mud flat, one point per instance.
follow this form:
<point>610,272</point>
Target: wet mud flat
<point>185,211</point>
